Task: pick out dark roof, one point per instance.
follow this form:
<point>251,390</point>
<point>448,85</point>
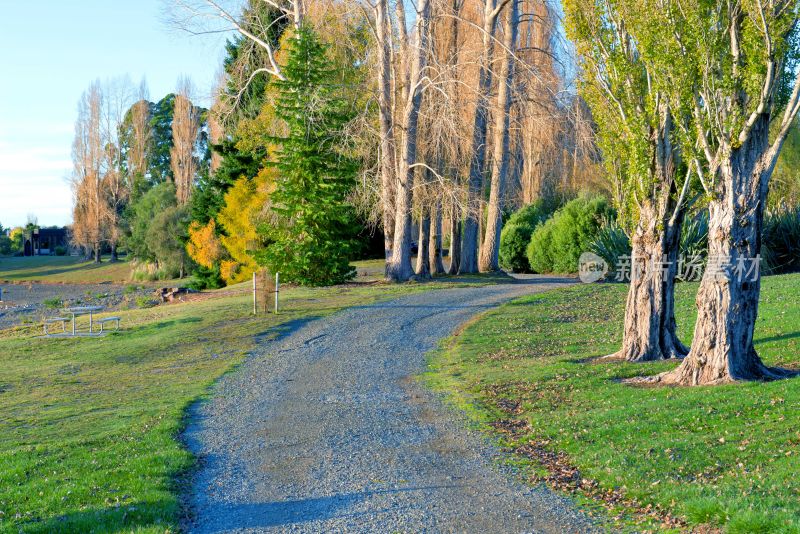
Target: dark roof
<point>52,231</point>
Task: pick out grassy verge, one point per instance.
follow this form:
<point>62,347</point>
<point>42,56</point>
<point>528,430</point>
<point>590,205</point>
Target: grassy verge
<point>89,426</point>
<point>723,457</point>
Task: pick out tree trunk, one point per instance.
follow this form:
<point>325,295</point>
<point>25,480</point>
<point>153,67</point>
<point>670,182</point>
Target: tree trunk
<point>388,160</point>
<point>490,251</point>
<point>97,253</point>
<point>722,348</point>
<point>455,239</point>
<point>435,262</point>
<point>398,269</point>
<point>423,269</point>
<point>114,256</point>
<point>469,240</point>
<point>650,329</point>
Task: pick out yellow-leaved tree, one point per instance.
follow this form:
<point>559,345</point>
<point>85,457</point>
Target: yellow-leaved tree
<point>246,207</point>
<point>204,246</point>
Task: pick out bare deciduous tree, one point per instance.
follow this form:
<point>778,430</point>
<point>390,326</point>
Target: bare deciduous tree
<point>470,238</point>
<point>90,210</point>
<point>141,138</point>
<point>185,127</point>
<point>399,265</point>
<point>500,158</point>
<point>116,98</point>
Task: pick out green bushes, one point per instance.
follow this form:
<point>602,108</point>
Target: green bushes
<point>612,242</point>
<point>588,224</point>
<point>556,245</point>
<point>158,235</point>
<point>517,234</point>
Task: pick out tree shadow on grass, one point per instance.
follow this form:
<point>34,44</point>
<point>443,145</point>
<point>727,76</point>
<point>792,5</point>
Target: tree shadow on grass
<point>123,518</point>
<point>52,271</point>
<point>161,325</point>
<point>782,337</point>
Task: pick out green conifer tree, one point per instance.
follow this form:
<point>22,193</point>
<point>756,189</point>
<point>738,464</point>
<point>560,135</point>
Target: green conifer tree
<point>312,231</point>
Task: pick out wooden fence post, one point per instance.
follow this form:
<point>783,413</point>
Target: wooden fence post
<point>255,295</point>
<point>277,290</point>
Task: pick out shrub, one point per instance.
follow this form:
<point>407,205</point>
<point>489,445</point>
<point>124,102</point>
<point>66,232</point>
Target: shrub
<point>130,289</point>
<point>611,243</point>
<point>148,272</point>
<point>61,251</point>
<point>540,247</point>
<point>5,245</point>
<point>781,242</point>
<point>517,233</point>
<point>557,244</point>
<point>53,303</point>
<point>145,302</point>
<point>694,236</point>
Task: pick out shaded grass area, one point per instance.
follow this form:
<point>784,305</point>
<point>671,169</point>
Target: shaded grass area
<point>89,427</point>
<point>63,270</point>
<point>723,457</point>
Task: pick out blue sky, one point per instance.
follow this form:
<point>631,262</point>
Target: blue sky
<point>51,51</point>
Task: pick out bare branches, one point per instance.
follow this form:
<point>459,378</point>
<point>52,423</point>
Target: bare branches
<point>99,182</point>
<point>199,17</point>
<point>185,127</point>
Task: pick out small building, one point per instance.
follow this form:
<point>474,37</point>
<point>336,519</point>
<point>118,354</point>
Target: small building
<point>44,241</point>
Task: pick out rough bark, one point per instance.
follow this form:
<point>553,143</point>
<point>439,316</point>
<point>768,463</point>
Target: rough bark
<point>722,349</point>
<point>423,268</point>
<point>114,255</point>
<point>470,237</point>
<point>435,262</point>
<point>398,268</point>
<point>490,251</point>
<point>650,330</point>
<point>388,161</point>
<point>455,239</point>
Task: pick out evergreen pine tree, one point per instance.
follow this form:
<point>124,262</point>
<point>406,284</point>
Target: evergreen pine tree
<point>313,232</point>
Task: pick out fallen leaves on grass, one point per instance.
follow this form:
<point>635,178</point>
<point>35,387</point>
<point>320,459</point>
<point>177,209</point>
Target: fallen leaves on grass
<point>563,476</point>
<point>512,427</point>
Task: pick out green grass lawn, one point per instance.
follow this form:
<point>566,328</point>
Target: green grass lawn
<point>89,426</point>
<point>62,269</point>
<point>726,456</point>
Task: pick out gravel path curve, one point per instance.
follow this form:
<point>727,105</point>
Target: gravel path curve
<point>325,430</point>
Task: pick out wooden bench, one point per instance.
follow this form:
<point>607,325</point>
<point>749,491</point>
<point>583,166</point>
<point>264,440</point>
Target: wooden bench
<point>52,320</point>
<point>105,320</point>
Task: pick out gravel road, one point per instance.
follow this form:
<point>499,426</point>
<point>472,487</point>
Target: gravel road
<point>325,430</point>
